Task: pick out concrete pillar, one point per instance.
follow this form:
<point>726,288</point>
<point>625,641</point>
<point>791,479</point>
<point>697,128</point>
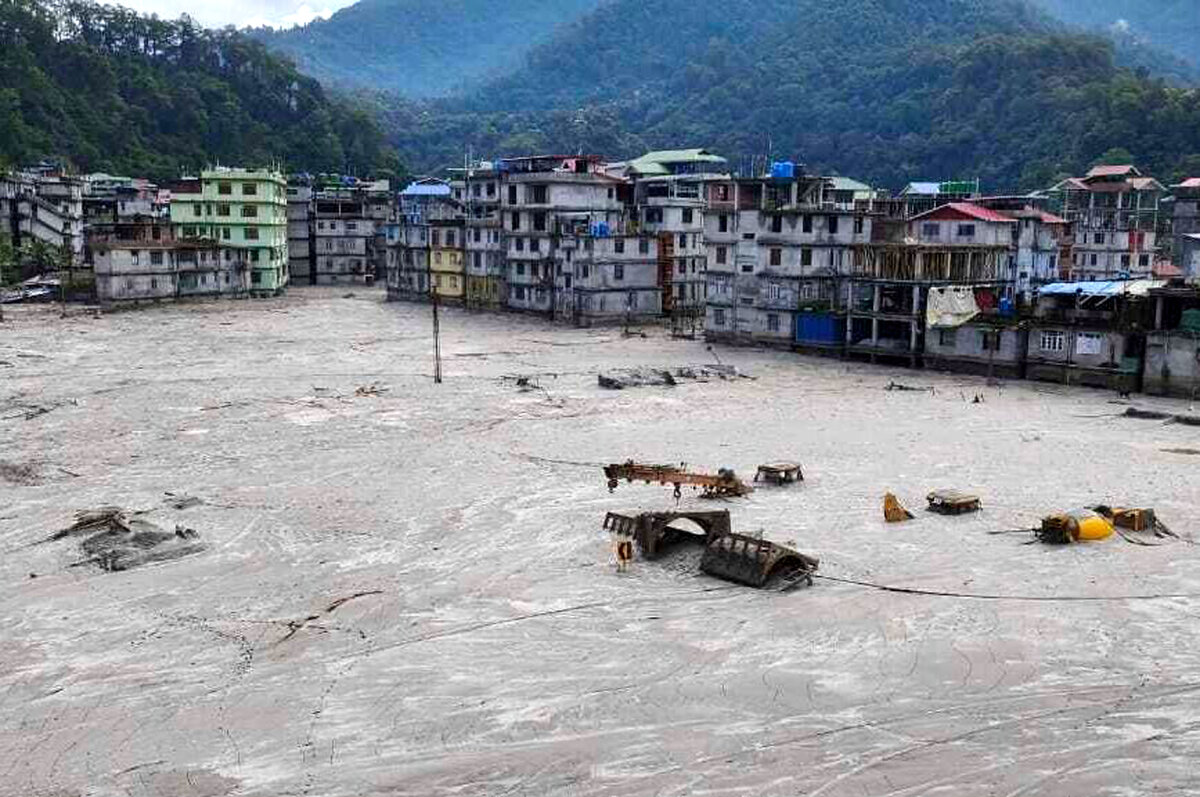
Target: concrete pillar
<point>876,298</point>
<point>1158,313</point>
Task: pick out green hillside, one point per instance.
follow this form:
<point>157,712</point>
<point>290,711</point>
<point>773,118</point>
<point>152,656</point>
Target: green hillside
<point>1172,25</point>
<point>109,90</point>
<point>421,48</point>
<point>887,90</point>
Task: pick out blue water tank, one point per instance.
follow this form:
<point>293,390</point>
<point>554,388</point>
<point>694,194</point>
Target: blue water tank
<point>783,170</point>
<point>1006,306</point>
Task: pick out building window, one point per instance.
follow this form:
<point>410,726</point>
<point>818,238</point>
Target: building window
<point>1098,238</point>
<point>477,236</point>
<point>966,231</point>
<point>859,225</point>
<point>777,224</point>
<point>687,216</point>
<point>512,196</point>
<point>930,229</point>
<point>833,225</point>
<point>722,255</point>
<point>253,255</point>
<point>1053,340</point>
<point>352,226</point>
<point>195,209</point>
<point>806,224</point>
<point>320,225</point>
<point>989,341</point>
<point>772,322</point>
<point>1089,343</point>
<point>249,211</point>
<point>520,269</point>
<point>619,272</point>
<point>1144,261</point>
<point>747,268</point>
<point>619,246</point>
<point>153,284</point>
<point>776,257</point>
<point>539,222</point>
<point>134,256</point>
<point>450,236</point>
<point>681,265</point>
<point>947,338</point>
<point>251,233</point>
<point>156,258</point>
<point>437,258</point>
<point>631,301</point>
<point>723,223</point>
<point>643,246</point>
<point>775,291</point>
<point>516,220</point>
<point>249,189</point>
<point>538,194</point>
<point>1094,261</point>
<point>256,277</point>
<point>719,317</point>
<point>806,257</point>
<point>225,189</point>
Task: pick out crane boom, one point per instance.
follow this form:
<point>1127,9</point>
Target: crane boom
<point>725,483</point>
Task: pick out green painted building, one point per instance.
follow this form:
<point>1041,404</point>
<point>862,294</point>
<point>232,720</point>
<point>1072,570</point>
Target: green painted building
<point>243,210</point>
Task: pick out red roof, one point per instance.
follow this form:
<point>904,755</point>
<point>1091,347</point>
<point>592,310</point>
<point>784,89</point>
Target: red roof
<point>1191,182</point>
<point>1165,268</point>
<point>958,210</point>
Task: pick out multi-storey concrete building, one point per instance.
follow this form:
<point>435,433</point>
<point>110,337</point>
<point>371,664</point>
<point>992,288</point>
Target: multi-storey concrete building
<point>1115,214</point>
<point>409,261</point>
<point>545,199</point>
<point>478,190</point>
<point>344,238</point>
<point>778,247</point>
<point>1185,226</point>
<point>44,207</point>
<point>301,230</point>
<point>446,262</point>
<point>239,209</point>
<point>142,261</point>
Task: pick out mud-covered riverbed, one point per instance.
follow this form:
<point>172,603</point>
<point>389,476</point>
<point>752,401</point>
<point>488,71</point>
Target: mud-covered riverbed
<point>405,589</point>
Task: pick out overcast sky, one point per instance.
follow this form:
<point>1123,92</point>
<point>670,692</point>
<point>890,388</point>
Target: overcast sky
<point>218,13</point>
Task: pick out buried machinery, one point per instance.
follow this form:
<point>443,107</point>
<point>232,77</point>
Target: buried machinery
<point>734,557</point>
<point>724,484</point>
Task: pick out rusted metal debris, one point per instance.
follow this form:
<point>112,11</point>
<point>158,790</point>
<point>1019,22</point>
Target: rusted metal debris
<point>779,473</point>
<point>650,530</point>
<point>733,557</point>
<point>756,562</point>
<point>724,484</point>
<point>622,378</point>
<point>952,502</point>
<point>893,512</point>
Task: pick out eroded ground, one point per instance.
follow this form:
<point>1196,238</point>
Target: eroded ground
<point>407,591</point>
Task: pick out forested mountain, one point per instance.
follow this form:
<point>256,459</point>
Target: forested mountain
<point>886,90</point>
<point>1172,25</point>
<point>110,90</point>
<point>423,48</point>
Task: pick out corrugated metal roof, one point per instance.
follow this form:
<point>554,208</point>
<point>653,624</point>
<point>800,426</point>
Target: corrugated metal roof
<point>1114,170</point>
<point>968,209</point>
<point>922,189</point>
<point>848,184</point>
<point>1105,288</point>
<point>417,189</point>
<point>1191,182</point>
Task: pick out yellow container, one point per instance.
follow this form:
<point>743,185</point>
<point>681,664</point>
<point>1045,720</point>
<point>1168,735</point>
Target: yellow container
<point>1091,526</point>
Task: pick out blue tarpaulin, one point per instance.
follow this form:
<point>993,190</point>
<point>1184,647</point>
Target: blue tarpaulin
<point>1100,288</point>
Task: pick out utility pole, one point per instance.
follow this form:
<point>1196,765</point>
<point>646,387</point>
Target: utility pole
<point>437,342</point>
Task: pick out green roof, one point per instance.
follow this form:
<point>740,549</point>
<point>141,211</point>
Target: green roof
<point>847,184</point>
<point>653,162</point>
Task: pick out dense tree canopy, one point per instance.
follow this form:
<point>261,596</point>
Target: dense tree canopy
<point>107,89</point>
<point>884,90</point>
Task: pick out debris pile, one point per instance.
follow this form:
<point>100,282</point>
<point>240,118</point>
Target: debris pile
<point>116,540</point>
<point>952,502</point>
<point>622,378</point>
<point>779,473</point>
<point>742,559</point>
